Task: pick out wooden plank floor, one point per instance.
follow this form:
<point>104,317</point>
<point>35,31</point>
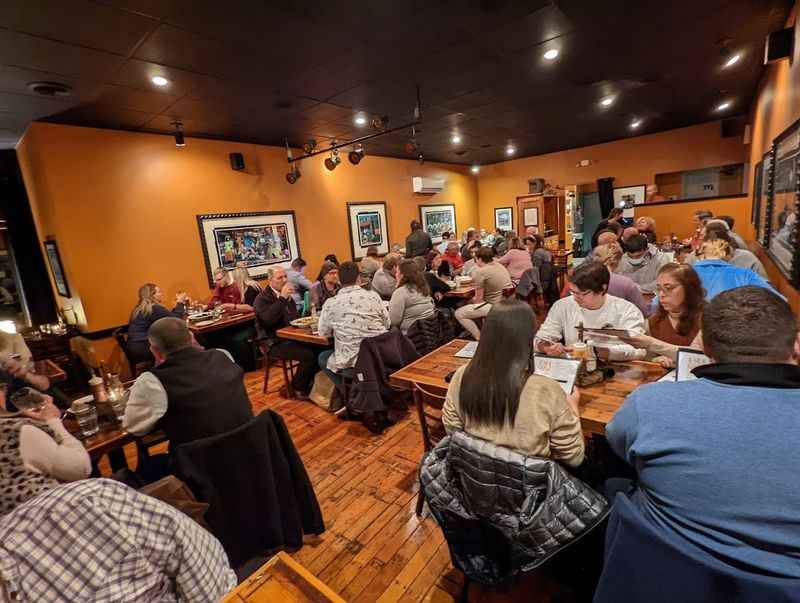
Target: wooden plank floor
<point>374,548</point>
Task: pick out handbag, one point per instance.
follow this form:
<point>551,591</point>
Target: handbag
<point>323,393</point>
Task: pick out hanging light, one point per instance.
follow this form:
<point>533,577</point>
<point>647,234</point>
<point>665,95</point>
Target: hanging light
<point>294,175</point>
<point>356,155</point>
<point>475,169</point>
<point>334,160</point>
<point>179,141</point>
<point>309,146</point>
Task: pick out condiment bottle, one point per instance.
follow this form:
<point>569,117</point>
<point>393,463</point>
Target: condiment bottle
<point>98,389</point>
<point>591,357</point>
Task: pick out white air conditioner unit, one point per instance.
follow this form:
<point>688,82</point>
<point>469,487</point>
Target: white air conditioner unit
<point>427,186</point>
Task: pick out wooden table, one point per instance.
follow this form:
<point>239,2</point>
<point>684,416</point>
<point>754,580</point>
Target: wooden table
<point>462,292</point>
<point>597,405</point>
<point>282,579</point>
<point>50,369</point>
<point>228,319</point>
<point>110,437</point>
<point>303,335</point>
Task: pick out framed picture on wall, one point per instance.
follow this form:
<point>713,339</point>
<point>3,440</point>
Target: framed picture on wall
<point>504,218</point>
<point>530,217</point>
<point>437,219</point>
<point>258,241</point>
<point>368,226</point>
<point>764,199</point>
<point>628,196</point>
<point>56,267</point>
<point>755,210</point>
<point>783,224</point>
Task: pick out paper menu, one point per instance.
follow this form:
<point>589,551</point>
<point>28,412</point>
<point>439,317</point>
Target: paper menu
<point>609,332</point>
<point>689,359</point>
<point>468,351</point>
<point>563,370</point>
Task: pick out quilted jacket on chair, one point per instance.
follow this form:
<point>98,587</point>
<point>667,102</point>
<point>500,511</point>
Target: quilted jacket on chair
<point>427,334</point>
<point>503,512</point>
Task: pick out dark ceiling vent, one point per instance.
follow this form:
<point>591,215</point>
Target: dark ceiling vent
<point>283,104</point>
<point>50,88</point>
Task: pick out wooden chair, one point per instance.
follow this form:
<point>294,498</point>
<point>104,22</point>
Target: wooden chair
<point>136,368</point>
<point>423,398</point>
<point>289,367</point>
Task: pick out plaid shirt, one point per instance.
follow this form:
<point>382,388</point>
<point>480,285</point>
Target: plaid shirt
<point>98,540</point>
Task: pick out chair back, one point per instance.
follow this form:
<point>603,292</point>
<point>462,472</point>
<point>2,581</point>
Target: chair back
<point>121,337</point>
<point>644,563</point>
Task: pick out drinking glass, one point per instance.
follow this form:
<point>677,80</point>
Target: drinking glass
<point>86,415</point>
<point>27,398</point>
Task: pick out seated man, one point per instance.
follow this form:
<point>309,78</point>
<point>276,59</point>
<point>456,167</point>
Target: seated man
<point>490,279</point>
<point>590,306</point>
<point>353,315</point>
<point>620,285</point>
<point>710,454</point>
<point>275,309</point>
<point>99,540</point>
<point>641,262</point>
<point>191,393</point>
<point>384,281</point>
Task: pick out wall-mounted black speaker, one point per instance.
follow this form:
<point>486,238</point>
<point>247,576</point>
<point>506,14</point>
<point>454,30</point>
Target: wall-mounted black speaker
<point>780,45</point>
<point>535,186</point>
<point>237,161</point>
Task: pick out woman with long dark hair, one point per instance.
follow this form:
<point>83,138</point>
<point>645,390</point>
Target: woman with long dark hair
<point>412,300</point>
<point>497,397</point>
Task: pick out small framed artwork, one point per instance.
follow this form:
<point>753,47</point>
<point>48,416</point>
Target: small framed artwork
<point>256,240</point>
<point>628,196</point>
<point>368,226</point>
<point>437,219</point>
<point>56,267</point>
<point>782,245</point>
<point>504,218</point>
<point>755,212</point>
<point>530,217</point>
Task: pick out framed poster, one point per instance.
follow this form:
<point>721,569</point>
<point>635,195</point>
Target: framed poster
<point>437,219</point>
<point>257,240</point>
<point>755,213</point>
<point>504,218</point>
<point>782,245</point>
<point>764,199</point>
<point>628,196</point>
<point>368,226</point>
<point>56,267</point>
<point>530,217</point>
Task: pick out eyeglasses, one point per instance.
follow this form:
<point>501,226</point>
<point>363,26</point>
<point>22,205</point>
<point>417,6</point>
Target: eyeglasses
<point>666,289</point>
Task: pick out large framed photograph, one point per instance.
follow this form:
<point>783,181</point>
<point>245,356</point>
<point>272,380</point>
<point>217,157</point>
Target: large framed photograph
<point>764,192</point>
<point>437,219</point>
<point>56,267</point>
<point>755,212</point>
<point>628,196</point>
<point>368,226</point>
<point>504,218</point>
<point>782,245</point>
<point>258,241</point>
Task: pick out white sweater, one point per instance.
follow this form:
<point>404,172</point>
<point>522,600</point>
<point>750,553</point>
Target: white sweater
<point>565,316</point>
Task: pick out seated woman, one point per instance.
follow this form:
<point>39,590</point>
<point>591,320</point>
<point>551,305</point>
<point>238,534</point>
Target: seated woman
<point>384,282</point>
<point>326,287</point>
<point>226,292</point>
<point>37,454</point>
<point>453,258</point>
<point>370,264</point>
<point>497,397</point>
<point>248,288</point>
<point>620,285</point>
<point>16,361</point>
<point>716,271</point>
<point>647,227</point>
<point>742,257</point>
<point>516,260</point>
<point>436,285</point>
<point>145,313</point>
<point>471,265</point>
<point>240,336</point>
<point>411,301</point>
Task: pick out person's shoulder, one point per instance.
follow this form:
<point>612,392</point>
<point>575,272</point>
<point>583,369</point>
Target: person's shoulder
<point>543,389</point>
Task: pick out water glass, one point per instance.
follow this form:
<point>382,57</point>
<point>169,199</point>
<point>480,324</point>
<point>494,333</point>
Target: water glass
<point>27,398</point>
<point>86,415</point>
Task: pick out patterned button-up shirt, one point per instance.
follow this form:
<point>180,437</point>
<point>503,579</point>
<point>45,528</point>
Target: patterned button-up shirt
<point>99,540</point>
<point>353,315</point>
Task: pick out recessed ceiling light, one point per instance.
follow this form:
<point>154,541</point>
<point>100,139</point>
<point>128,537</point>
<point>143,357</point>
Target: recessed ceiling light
<point>724,105</point>
<point>475,169</point>
<point>607,101</point>
<point>551,54</point>
<point>511,149</point>
<point>360,120</point>
<point>456,139</point>
<point>159,80</point>
<point>636,123</point>
<point>734,58</point>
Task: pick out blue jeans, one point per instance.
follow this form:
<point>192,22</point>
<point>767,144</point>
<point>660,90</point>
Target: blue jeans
<point>323,364</point>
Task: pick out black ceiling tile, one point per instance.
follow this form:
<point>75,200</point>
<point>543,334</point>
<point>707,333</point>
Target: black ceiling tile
<point>16,80</point>
<point>155,9</point>
<point>77,22</point>
<point>101,117</point>
<point>38,105</point>
<point>30,52</point>
<point>138,74</point>
<point>123,97</point>
<point>539,26</point>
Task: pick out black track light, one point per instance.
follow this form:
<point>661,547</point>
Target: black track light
<point>179,141</point>
<point>293,176</point>
<point>334,160</point>
<point>309,146</point>
<point>356,155</point>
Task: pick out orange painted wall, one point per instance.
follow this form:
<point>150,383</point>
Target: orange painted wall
<point>630,161</point>
<point>776,107</point>
<point>677,217</point>
<point>122,206</point>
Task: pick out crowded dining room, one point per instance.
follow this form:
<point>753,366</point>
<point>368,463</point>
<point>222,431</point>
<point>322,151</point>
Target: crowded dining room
<point>457,301</point>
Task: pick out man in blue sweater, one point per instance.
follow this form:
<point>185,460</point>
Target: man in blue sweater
<point>714,456</point>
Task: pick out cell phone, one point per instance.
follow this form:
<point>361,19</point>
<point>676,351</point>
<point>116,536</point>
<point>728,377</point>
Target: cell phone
<point>449,376</point>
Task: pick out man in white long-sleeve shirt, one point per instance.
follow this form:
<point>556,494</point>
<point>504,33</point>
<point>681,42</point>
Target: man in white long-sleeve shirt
<point>590,306</point>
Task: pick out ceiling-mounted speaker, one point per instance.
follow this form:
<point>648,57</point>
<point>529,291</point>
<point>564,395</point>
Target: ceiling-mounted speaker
<point>237,161</point>
<point>535,186</point>
<point>780,45</point>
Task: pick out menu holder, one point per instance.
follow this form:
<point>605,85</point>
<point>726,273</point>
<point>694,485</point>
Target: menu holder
<point>562,370</point>
<point>688,360</point>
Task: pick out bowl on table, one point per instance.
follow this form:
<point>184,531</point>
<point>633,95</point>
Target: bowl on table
<point>306,322</point>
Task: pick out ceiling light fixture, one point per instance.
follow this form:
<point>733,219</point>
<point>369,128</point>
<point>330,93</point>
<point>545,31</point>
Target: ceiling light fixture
<point>551,55</point>
<point>724,105</point>
<point>294,175</point>
<point>309,145</point>
<point>360,120</point>
<point>732,60</point>
<point>334,160</point>
<point>511,149</point>
<point>179,141</point>
<point>356,155</point>
<point>475,169</point>
<point>159,80</point>
<point>456,139</point>
<point>636,123</point>
<point>607,101</point>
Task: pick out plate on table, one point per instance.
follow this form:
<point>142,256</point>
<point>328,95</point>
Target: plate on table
<point>303,323</point>
<point>200,316</point>
<point>451,284</point>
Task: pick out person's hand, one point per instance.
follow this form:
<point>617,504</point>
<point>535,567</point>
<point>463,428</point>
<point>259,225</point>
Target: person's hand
<point>637,340</point>
<point>438,296</point>
<point>46,413</point>
<point>664,361</point>
<point>15,368</point>
<point>287,291</point>
<point>227,307</point>
<point>555,349</point>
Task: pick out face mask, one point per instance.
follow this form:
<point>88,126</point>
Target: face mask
<point>636,261</point>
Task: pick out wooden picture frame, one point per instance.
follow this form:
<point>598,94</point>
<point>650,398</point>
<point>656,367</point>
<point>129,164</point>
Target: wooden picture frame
<point>783,244</point>
<point>438,218</point>
<point>765,196</point>
<point>368,225</point>
<point>504,218</point>
<point>258,240</point>
<point>56,267</point>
